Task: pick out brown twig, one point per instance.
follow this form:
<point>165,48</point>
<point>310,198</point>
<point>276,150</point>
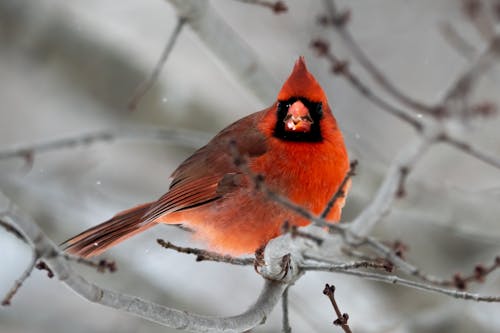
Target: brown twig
<point>145,85</point>
<point>277,7</point>
<point>101,266</point>
<point>203,255</point>
<point>386,264</point>
<point>478,275</point>
<point>340,191</point>
<point>338,20</point>
<point>401,191</point>
<point>342,318</point>
<point>340,67</point>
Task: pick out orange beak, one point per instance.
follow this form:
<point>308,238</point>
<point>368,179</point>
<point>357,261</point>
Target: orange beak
<point>298,118</point>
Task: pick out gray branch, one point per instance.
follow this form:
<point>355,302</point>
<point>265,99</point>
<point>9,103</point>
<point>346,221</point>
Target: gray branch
<point>225,44</point>
<point>58,263</point>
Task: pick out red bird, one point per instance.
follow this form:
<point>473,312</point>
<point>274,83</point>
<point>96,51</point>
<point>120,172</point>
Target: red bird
<point>295,144</point>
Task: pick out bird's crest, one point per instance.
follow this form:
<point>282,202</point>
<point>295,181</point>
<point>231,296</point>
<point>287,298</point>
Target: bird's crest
<point>301,83</point>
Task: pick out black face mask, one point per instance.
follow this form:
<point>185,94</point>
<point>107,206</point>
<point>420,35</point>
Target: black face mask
<point>316,113</point>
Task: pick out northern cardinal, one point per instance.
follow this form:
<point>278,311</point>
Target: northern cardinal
<point>296,146</point>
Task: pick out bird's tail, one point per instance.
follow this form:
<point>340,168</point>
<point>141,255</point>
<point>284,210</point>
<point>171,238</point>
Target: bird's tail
<point>98,239</point>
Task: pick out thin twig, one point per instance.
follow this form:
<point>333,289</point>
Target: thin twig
<point>186,138</point>
<point>349,266</point>
<point>101,266</point>
<point>479,274</point>
<point>145,85</point>
<point>340,191</point>
<point>286,328</point>
<point>182,320</point>
<point>457,41</point>
<point>339,23</point>
<point>342,318</point>
<point>13,230</point>
<point>476,12</point>
<point>462,87</point>
<point>231,49</point>
<point>277,7</point>
<point>19,282</point>
<point>469,148</point>
<point>203,255</point>
<point>392,184</point>
<point>342,68</point>
<point>392,279</point>
<point>295,232</point>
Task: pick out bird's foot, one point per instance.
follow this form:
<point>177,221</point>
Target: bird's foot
<point>285,266</point>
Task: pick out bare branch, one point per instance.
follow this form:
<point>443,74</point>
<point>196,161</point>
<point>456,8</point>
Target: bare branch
<point>144,87</point>
<point>457,41</point>
<point>277,7</point>
<point>462,86</point>
<point>392,279</point>
<point>185,138</point>
<point>341,68</point>
<point>348,266</point>
<point>10,228</point>
<point>286,328</point>
<point>391,186</point>
<point>338,20</point>
<point>342,318</point>
<point>19,282</point>
<point>340,191</point>
<point>475,11</point>
<point>101,266</point>
<point>232,50</point>
<point>269,296</point>
<point>472,150</point>
<point>203,255</point>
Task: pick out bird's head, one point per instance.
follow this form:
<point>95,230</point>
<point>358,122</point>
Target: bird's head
<point>301,107</point>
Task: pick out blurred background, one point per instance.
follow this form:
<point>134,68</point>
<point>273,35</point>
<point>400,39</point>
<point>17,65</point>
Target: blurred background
<point>70,67</point>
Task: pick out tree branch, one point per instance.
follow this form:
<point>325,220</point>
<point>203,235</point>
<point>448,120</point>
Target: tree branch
<point>404,282</point>
<point>143,88</point>
<point>203,255</point>
<point>341,68</point>
<point>58,263</point>
<point>235,54</point>
<point>392,185</point>
<point>338,21</point>
<point>187,138</point>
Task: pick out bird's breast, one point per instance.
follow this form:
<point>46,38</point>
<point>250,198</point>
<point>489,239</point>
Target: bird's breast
<point>308,174</point>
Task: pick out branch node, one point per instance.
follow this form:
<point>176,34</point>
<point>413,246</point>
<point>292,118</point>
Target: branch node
<point>41,265</point>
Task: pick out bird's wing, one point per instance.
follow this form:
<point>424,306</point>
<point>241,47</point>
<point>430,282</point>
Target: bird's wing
<point>210,172</point>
